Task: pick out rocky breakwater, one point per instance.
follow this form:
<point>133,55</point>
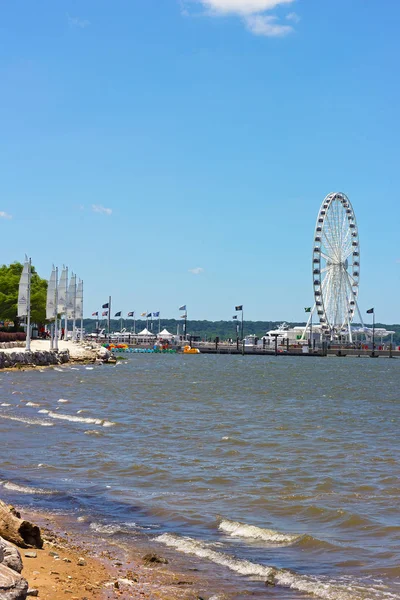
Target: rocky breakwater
<point>40,358</point>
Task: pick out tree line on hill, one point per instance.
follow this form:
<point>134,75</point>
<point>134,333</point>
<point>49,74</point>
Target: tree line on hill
<point>209,330</point>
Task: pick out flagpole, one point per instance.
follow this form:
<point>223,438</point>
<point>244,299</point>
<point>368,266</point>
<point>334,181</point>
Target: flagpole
<point>242,325</point>
<point>74,315</point>
<point>373,333</point>
<point>81,336</point>
<point>311,344</point>
<point>66,305</point>
<point>28,300</point>
<point>185,324</point>
<point>55,313</point>
<point>159,324</point>
<point>134,323</point>
<point>109,315</point>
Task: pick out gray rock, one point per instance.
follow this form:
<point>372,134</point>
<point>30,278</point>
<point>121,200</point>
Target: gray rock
<point>12,585</point>
<point>10,556</point>
<point>30,554</point>
<point>81,562</point>
<point>32,592</point>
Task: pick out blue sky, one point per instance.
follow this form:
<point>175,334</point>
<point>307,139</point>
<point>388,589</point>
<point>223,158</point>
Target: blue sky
<point>177,151</point>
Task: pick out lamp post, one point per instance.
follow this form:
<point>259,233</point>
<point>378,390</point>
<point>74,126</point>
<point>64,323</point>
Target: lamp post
<point>371,311</point>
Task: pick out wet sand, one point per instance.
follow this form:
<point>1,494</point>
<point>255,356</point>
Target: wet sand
<point>77,567</point>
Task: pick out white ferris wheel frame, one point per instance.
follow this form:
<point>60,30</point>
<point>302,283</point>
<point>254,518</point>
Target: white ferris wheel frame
<point>336,267</point>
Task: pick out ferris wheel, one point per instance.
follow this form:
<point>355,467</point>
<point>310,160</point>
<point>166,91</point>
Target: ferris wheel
<point>336,265</point>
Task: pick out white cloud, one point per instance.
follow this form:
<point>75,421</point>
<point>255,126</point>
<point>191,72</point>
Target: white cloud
<point>255,14</point>
<point>294,17</point>
<point>4,215</point>
<point>243,7</point>
<point>266,25</point>
<point>196,270</point>
<point>98,208</point>
<point>77,22</point>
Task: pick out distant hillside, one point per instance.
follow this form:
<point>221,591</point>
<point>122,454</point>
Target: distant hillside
<point>211,329</point>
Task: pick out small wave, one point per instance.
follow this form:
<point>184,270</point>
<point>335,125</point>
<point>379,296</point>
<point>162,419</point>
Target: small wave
<point>24,489</point>
<point>27,421</point>
<point>44,411</point>
<point>89,368</point>
<point>93,432</point>
<point>74,419</point>
<point>112,529</point>
<point>317,586</point>
<point>62,401</point>
<point>5,404</point>
<point>32,404</point>
<point>236,529</point>
<point>106,529</point>
<point>59,370</point>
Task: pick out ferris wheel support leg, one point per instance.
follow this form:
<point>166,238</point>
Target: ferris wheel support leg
<point>350,333</point>
<point>308,323</point>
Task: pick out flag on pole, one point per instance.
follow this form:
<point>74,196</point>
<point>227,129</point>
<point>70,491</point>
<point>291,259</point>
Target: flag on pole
<point>183,316</point>
<point>95,314</point>
<point>156,314</point>
<point>183,307</point>
<point>370,311</point>
<point>130,314</point>
<point>240,307</point>
<point>308,309</point>
<point>105,305</point>
<point>143,314</point>
<point>234,317</point>
<point>148,315</point>
<point>105,313</point>
<point>118,314</point>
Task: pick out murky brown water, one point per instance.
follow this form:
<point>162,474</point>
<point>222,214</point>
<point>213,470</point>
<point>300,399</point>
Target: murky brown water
<point>246,463</point>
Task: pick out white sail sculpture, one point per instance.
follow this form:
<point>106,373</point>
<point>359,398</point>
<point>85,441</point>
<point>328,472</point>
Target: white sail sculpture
<point>24,299</point>
<point>63,297</point>
<point>52,303</point>
<point>71,303</point>
<point>79,305</point>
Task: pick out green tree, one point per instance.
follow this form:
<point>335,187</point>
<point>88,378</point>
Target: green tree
<point>9,282</point>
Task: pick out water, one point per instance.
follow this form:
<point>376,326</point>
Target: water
<point>260,466</point>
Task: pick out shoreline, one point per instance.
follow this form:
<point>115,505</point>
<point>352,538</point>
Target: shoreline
<point>78,565</point>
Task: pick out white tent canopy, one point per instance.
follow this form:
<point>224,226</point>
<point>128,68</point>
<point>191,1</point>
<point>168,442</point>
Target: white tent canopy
<point>165,334</point>
<point>146,332</point>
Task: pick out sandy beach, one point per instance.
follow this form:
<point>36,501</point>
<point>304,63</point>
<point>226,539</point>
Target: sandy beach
<point>69,566</point>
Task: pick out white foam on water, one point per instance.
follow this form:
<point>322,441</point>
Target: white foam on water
<point>24,489</point>
<point>59,370</point>
<point>44,411</point>
<point>242,530</point>
<point>5,404</point>
<point>74,419</point>
<point>27,421</point>
<point>74,369</point>
<point>92,432</point>
<point>316,586</point>
<point>32,404</point>
<point>63,401</point>
<point>20,393</point>
<point>106,529</point>
<point>89,368</point>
